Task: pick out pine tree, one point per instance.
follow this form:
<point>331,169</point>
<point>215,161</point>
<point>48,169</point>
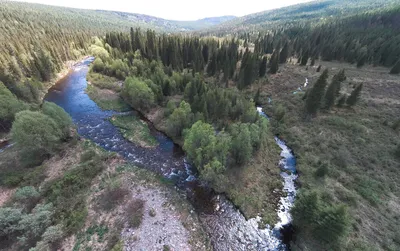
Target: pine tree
<point>248,70</point>
<point>212,65</point>
<point>330,94</point>
<point>354,96</point>
<point>314,97</point>
<point>396,68</point>
<point>274,63</point>
<point>284,54</point>
<point>263,67</point>
<point>342,100</point>
<point>304,58</point>
<point>340,77</point>
<point>205,53</point>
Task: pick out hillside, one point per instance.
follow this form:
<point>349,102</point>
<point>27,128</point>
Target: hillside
<point>160,24</point>
<point>37,40</point>
<point>311,12</point>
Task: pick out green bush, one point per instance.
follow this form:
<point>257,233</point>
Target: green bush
<point>11,179</point>
<point>63,120</point>
<point>27,196</point>
<point>35,224</point>
<point>34,176</point>
<point>9,106</point>
<point>53,234</point>
<point>68,193</point>
<point>180,119</point>
<point>98,65</point>
<point>138,94</point>
<point>36,134</point>
<point>9,218</point>
<point>73,220</point>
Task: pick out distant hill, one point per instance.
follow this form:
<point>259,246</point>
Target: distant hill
<point>314,11</point>
<point>164,24</point>
<point>203,23</point>
<point>104,20</point>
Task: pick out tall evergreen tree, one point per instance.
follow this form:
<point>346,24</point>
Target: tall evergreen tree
<point>205,53</point>
<point>342,100</point>
<point>304,58</point>
<point>340,77</point>
<point>330,94</point>
<point>354,96</point>
<point>274,62</point>
<point>212,65</point>
<point>314,97</point>
<point>263,67</point>
<point>248,69</point>
<point>284,54</point>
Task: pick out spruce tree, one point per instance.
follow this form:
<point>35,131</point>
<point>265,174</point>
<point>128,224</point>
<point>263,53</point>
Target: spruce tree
<point>284,54</point>
<point>342,100</point>
<point>340,77</point>
<point>354,96</point>
<point>314,97</point>
<point>263,67</point>
<point>212,65</point>
<point>304,58</point>
<point>396,68</point>
<point>274,63</point>
<point>330,94</point>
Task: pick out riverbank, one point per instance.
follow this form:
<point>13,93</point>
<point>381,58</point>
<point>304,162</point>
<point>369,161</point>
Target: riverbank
<point>101,208</point>
<point>65,71</point>
<point>134,130</point>
<point>255,188</point>
<point>346,155</point>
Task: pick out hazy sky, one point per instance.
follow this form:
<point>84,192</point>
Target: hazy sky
<point>176,9</point>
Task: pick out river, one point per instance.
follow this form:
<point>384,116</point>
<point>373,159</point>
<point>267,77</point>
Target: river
<point>227,227</point>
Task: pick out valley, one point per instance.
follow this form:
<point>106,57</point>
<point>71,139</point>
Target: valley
<point>278,130</point>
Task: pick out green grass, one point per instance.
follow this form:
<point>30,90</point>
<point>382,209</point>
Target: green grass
<point>134,130</point>
<point>250,187</point>
<point>347,155</point>
<point>107,99</point>
<point>103,82</point>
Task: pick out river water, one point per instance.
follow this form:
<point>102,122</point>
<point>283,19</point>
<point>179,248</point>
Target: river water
<point>227,227</point>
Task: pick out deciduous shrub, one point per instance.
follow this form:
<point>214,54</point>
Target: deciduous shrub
<point>9,218</point>
<point>63,120</point>
<point>9,106</point>
<point>138,94</point>
<point>36,134</point>
<point>135,212</point>
<point>180,119</point>
<point>27,196</point>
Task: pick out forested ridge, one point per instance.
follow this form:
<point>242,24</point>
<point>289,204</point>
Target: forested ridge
<point>202,91</point>
<point>305,13</point>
